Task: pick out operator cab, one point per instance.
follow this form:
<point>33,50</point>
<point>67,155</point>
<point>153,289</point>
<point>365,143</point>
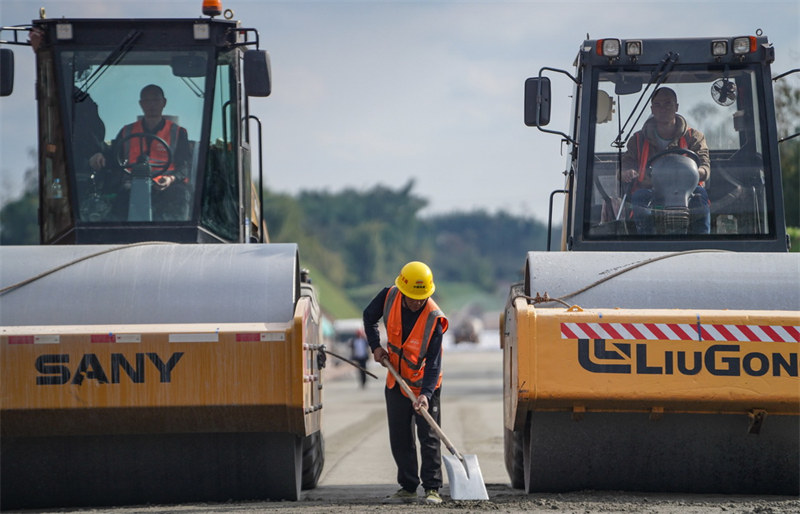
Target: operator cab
<point>90,75</point>
<point>724,93</point>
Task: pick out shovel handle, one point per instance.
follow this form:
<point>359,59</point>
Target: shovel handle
<point>425,414</point>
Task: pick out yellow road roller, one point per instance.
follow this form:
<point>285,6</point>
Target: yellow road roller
<point>658,350</point>
<point>156,348</point>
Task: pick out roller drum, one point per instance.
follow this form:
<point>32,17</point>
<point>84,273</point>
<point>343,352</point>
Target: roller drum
<point>148,283</point>
<point>688,280</point>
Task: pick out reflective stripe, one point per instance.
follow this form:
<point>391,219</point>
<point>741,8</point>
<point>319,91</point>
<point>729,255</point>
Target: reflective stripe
<point>387,304</point>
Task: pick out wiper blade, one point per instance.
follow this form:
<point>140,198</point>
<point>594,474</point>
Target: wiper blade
<point>194,88</point>
<point>113,58</point>
<point>658,77</point>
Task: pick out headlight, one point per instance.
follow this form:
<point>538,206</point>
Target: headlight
<point>744,45</point>
<point>719,47</point>
<point>64,31</point>
<point>608,47</point>
<point>633,48</point>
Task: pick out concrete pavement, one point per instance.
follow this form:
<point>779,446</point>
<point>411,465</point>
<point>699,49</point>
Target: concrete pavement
<point>356,433</point>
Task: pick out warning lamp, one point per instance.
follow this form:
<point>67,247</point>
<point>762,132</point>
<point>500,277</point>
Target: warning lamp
<point>212,7</point>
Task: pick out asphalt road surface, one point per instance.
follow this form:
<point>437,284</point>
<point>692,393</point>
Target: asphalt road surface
<point>359,472</point>
<point>356,433</point>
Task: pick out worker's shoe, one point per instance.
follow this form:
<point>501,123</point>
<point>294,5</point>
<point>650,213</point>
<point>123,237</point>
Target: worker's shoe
<point>402,496</point>
<point>432,497</point>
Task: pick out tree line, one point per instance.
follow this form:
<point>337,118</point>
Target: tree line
<point>359,240</point>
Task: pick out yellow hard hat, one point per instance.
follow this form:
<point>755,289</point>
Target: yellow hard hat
<point>415,281</point>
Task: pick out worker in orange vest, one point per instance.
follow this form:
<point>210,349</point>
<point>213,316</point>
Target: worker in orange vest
<point>414,327</point>
<point>171,197</point>
<point>664,130</point>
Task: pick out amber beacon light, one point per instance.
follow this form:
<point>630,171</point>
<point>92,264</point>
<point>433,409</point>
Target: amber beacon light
<point>212,7</point>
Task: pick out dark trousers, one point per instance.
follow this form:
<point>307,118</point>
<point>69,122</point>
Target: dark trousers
<point>402,419</point>
<point>362,373</point>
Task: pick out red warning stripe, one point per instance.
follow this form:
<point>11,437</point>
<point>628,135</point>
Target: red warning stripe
<point>20,339</point>
<point>681,332</point>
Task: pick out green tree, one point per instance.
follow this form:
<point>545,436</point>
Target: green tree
<point>360,239</point>
<point>374,230</point>
<point>483,249</point>
<point>287,222</point>
<point>19,217</point>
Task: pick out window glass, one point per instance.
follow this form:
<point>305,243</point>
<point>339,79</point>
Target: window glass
<point>705,179</point>
<point>56,213</point>
<point>104,108</point>
<point>220,212</point>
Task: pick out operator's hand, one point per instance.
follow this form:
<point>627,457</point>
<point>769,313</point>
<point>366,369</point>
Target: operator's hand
<point>379,354</point>
<point>629,175</point>
<point>97,161</point>
<point>421,403</point>
<point>163,181</point>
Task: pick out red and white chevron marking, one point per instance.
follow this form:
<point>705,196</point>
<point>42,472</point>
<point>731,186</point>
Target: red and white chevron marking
<point>681,332</point>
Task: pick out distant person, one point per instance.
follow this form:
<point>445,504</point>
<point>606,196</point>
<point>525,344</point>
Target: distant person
<point>171,196</point>
<point>359,349</point>
<point>663,130</point>
<point>414,327</point>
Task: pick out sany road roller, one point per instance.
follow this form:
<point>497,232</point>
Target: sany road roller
<point>142,360</point>
<point>658,351</point>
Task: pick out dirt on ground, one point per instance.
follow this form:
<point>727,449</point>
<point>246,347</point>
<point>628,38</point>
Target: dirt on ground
<point>503,499</point>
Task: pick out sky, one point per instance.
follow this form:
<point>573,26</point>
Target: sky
<point>370,93</point>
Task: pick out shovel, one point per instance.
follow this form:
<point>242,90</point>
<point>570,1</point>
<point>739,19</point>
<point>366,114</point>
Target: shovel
<point>463,471</point>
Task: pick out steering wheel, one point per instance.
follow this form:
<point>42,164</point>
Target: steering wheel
<point>675,150</point>
<point>128,166</point>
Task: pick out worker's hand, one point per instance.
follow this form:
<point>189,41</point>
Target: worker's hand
<point>421,403</point>
<point>163,181</point>
<point>97,161</point>
<point>379,354</point>
<point>629,175</point>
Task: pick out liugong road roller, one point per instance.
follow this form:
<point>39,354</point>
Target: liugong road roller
<point>658,351</point>
<point>141,360</point>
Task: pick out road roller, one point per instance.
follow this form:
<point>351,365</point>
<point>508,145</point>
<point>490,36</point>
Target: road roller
<point>658,349</point>
<point>156,347</point>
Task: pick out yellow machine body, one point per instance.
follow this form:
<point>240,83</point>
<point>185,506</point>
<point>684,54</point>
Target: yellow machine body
<point>242,377</point>
<point>663,372</point>
<point>166,374</point>
<point>651,361</point>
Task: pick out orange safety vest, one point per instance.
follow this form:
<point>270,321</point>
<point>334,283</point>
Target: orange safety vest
<point>135,147</point>
<point>407,356</point>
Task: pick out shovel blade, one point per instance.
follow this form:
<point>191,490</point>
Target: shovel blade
<point>466,480</point>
